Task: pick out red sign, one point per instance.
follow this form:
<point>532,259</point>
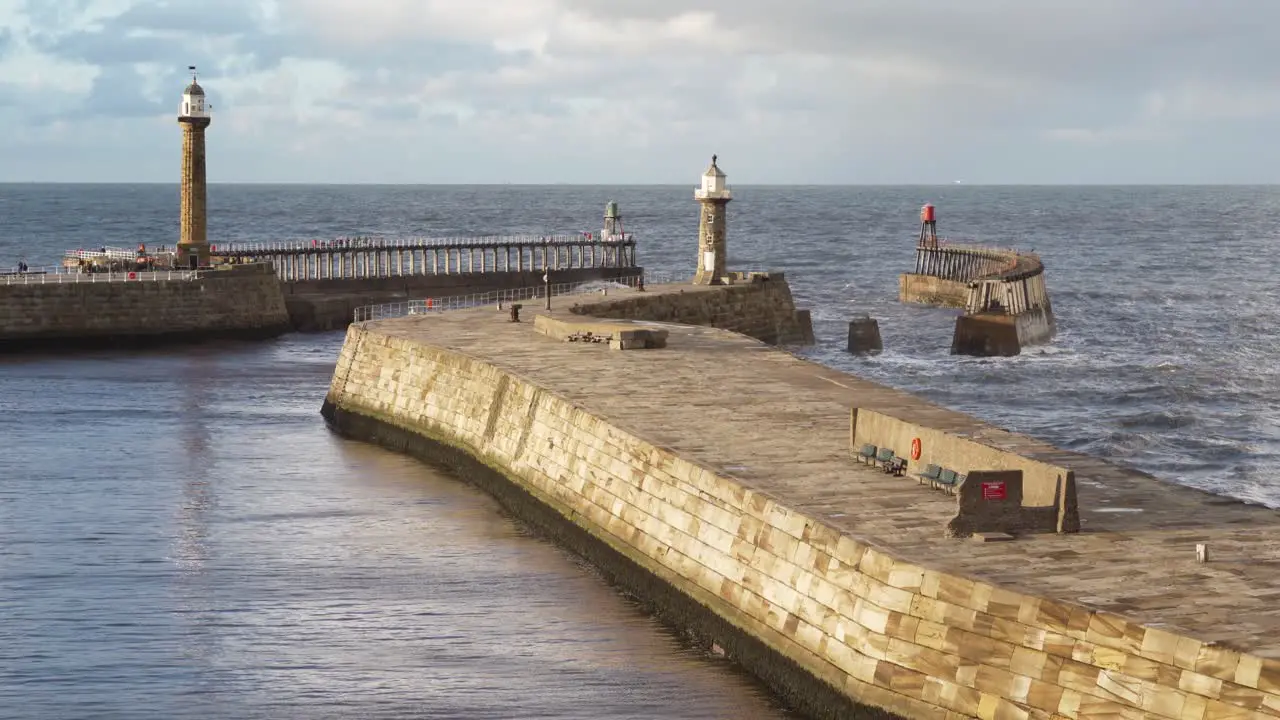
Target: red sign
<point>993,491</point>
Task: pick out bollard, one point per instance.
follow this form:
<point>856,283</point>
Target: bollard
<point>515,312</point>
<point>864,336</point>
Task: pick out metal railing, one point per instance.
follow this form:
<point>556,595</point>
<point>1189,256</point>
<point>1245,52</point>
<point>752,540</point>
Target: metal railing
<point>383,243</point>
<point>387,311</point>
<point>111,253</point>
<point>57,275</point>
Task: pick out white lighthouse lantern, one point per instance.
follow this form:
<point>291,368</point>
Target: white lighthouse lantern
<point>193,100</point>
<point>714,186</point>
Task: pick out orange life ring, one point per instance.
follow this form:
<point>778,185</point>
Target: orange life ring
<point>915,449</point>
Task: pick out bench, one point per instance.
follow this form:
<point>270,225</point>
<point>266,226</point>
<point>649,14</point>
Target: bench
<point>896,466</point>
<point>947,480</point>
<point>930,474</point>
<point>884,456</point>
<point>868,453</point>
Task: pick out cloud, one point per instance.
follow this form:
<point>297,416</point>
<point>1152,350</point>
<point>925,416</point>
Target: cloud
<point>641,90</point>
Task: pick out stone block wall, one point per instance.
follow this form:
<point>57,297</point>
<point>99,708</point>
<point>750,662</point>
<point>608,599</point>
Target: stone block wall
<point>885,632</point>
<point>930,290</point>
<point>330,304</point>
<point>990,501</point>
<point>758,305</point>
<point>245,302</point>
<point>1001,335</point>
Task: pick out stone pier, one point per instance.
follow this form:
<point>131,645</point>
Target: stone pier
<point>716,478</point>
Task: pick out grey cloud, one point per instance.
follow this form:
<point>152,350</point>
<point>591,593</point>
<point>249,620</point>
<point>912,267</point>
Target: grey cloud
<point>1068,41</point>
<point>116,42</point>
<point>1012,70</point>
<point>117,92</point>
<point>220,18</point>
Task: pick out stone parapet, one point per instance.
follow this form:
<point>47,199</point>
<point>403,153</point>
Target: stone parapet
<point>758,305</point>
<point>617,334</point>
<point>930,290</point>
<point>329,304</point>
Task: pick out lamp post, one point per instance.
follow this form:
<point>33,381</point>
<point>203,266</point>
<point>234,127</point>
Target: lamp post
<point>546,272</point>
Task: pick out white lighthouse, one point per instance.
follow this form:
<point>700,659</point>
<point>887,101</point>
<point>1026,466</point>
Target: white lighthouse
<point>713,231</point>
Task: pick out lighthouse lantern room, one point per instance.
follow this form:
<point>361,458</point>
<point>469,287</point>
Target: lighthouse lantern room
<point>193,102</point>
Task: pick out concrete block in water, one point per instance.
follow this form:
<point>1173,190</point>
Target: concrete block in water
<point>864,336</point>
<point>998,335</point>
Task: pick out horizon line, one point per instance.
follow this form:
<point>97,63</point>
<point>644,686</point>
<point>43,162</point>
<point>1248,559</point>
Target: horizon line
<point>649,184</point>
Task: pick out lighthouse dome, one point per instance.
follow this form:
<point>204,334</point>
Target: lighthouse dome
<point>193,101</point>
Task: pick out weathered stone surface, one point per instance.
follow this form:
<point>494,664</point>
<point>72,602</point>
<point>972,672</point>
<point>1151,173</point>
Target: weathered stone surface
<point>980,511</point>
<point>330,303</point>
<point>757,305</point>
<point>615,334</point>
<point>245,301</point>
<point>721,466</point>
<point>864,336</point>
<point>193,238</point>
<point>998,335</point>
<point>930,290</point>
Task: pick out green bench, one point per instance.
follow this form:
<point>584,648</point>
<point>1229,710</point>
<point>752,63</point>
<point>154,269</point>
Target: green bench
<point>930,474</point>
<point>868,453</point>
<point>885,456</point>
<point>948,480</point>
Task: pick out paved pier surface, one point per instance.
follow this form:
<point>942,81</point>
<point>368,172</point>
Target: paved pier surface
<point>781,424</point>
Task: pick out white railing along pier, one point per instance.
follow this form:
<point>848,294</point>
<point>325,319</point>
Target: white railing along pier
<point>372,257</point>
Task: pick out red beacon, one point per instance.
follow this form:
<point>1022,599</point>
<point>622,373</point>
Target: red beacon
<point>928,227</point>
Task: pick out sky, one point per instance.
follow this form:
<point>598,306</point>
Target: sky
<point>644,91</point>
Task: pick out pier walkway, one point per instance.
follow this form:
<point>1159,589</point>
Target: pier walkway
<point>780,424</point>
<point>401,257</point>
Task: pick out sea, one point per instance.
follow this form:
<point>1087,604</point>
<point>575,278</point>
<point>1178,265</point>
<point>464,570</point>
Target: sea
<point>181,536</point>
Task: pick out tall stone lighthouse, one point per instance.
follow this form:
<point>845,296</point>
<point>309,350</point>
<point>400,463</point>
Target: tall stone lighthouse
<point>713,197</point>
<point>193,240</point>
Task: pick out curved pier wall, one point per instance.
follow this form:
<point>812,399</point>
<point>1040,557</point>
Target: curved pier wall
<point>240,302</point>
<point>1006,313</point>
<point>826,620</point>
<point>1002,293</point>
<point>943,273</point>
<point>330,304</point>
<point>758,305</point>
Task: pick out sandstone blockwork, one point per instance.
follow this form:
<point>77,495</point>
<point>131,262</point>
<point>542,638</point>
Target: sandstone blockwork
<point>888,633</point>
<point>758,305</point>
<point>193,213</point>
<point>330,304</point>
<point>245,302</point>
